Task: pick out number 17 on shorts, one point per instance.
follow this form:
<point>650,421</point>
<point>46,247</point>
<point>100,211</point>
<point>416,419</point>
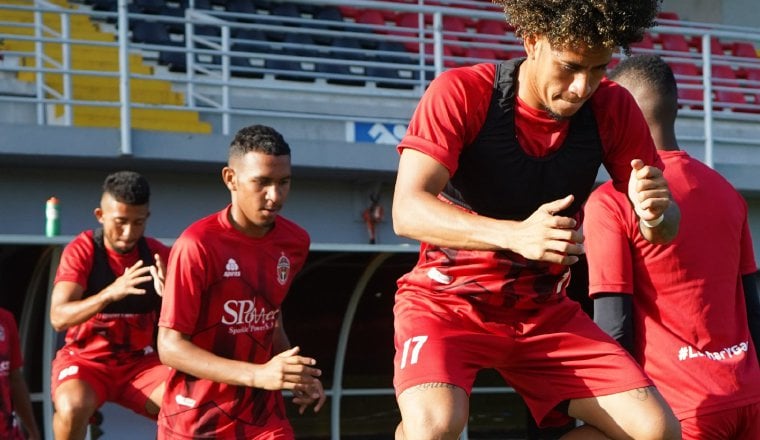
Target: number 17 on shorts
<point>413,345</point>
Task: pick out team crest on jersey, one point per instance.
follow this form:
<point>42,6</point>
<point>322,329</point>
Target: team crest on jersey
<point>2,333</point>
<point>231,269</point>
<point>283,269</point>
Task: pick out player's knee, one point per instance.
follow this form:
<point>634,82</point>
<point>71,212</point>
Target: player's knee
<point>664,427</point>
<point>74,407</point>
<point>433,426</point>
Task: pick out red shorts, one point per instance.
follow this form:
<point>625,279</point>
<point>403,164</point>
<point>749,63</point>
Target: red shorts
<point>278,430</point>
<point>127,383</point>
<point>549,354</point>
<point>735,423</point>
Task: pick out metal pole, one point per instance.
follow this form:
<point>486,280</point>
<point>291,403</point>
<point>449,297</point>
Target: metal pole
<point>707,98</point>
<point>226,79</point>
<point>39,79</point>
<point>66,55</point>
<point>340,353</point>
<point>438,43</point>
<point>126,116</point>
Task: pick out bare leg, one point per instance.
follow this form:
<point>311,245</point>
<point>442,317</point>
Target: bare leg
<point>75,402</point>
<point>434,411</point>
<point>640,414</point>
<point>153,405</point>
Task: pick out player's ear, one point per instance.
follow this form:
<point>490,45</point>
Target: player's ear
<point>529,43</point>
<point>228,177</point>
<point>98,213</point>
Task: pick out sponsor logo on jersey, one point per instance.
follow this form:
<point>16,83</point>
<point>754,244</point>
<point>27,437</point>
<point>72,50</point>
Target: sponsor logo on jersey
<point>5,367</point>
<point>283,269</point>
<point>244,317</point>
<point>231,269</point>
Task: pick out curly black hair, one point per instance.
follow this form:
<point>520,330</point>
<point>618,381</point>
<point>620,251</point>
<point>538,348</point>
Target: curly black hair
<point>577,23</point>
<point>127,187</point>
<point>259,138</point>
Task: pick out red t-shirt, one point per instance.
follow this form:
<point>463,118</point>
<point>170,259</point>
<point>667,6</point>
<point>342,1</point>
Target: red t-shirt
<point>127,334</point>
<point>10,360</point>
<point>224,289</point>
<point>450,116</point>
<point>690,321</point>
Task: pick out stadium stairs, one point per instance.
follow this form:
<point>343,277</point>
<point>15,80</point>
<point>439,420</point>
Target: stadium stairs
<point>91,57</point>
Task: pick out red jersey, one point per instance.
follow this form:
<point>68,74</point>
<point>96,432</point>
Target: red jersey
<point>449,118</point>
<point>10,360</point>
<point>224,289</point>
<point>690,320</point>
<point>107,335</point>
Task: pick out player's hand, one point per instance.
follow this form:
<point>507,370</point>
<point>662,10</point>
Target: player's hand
<point>127,283</point>
<point>313,393</point>
<point>158,272</point>
<point>545,236</point>
<point>648,191</point>
<point>288,371</point>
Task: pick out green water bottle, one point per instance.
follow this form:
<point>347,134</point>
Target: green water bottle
<point>52,219</point>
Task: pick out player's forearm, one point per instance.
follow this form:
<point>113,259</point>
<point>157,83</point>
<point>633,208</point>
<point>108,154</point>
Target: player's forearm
<point>22,404</point>
<point>66,314</point>
<point>425,218</point>
<point>183,355</point>
<point>613,314</point>
<point>665,231</point>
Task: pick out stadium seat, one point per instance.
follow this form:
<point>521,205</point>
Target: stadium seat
<point>253,43</point>
<point>409,27</point>
<point>392,52</point>
<point>724,76</point>
<point>349,11</point>
<point>477,55</point>
<point>344,49</point>
<point>743,49</point>
<point>716,48</point>
<point>327,14</point>
<point>670,16</point>
<point>374,19</point>
<point>689,84</point>
<point>241,7</point>
<point>149,6</point>
<point>674,42</point>
<point>150,32</point>
<point>646,43</point>
<point>284,10</point>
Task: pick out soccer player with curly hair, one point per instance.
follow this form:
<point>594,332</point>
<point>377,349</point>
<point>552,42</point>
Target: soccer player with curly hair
<point>494,170</point>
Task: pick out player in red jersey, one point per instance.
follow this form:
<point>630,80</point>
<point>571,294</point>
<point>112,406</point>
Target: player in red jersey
<point>106,297</point>
<point>494,169</point>
<point>221,327</point>
<point>681,309</point>
<point>14,394</point>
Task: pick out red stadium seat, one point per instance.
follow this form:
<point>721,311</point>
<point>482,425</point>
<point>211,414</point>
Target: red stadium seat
<point>743,49</point>
<point>671,16</point>
<point>646,43</point>
<point>689,84</point>
<point>724,76</point>
<point>674,42</point>
<point>374,18</point>
<point>716,48</point>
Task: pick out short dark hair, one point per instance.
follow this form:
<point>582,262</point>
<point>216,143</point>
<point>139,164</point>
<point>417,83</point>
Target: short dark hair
<point>593,23</point>
<point>649,68</point>
<point>658,77</point>
<point>127,187</point>
<point>261,139</point>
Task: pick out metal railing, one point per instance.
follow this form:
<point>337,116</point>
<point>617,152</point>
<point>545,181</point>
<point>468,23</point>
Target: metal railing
<point>212,56</point>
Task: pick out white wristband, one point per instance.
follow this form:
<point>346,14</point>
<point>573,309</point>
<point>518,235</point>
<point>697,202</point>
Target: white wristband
<point>653,223</point>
